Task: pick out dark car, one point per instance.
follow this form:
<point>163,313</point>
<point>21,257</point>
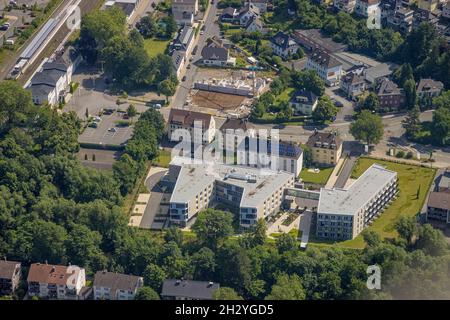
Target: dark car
<point>194,52</point>
<point>338,104</point>
<point>184,78</point>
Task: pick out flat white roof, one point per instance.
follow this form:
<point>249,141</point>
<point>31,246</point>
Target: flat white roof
<point>349,201</point>
<point>258,184</point>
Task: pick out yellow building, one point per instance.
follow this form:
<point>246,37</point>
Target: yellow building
<point>326,148</point>
<point>428,5</point>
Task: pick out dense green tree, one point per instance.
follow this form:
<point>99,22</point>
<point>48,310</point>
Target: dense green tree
<point>403,74</point>
<point>370,103</point>
<point>410,93</point>
<point>441,126</point>
<point>411,124</point>
<point>167,88</point>
<point>147,26</point>
<point>204,264</point>
<point>309,80</point>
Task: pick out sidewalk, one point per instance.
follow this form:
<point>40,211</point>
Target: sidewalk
<point>334,175</point>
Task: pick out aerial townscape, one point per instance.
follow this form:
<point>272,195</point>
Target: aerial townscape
<point>224,149</point>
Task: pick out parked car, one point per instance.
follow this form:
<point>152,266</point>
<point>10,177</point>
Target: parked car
<point>338,104</point>
<point>112,130</point>
<point>93,125</point>
<point>188,66</point>
<point>202,32</point>
<point>184,78</point>
<point>195,50</point>
<point>126,116</point>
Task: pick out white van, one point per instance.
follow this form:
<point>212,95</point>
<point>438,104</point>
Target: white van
<point>9,42</point>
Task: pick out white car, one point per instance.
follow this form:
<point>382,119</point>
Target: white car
<point>202,32</point>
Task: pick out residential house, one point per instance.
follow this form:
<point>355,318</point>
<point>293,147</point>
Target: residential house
<point>188,290</point>
<point>328,68</point>
<point>304,102</point>
<point>254,192</point>
<point>343,213</point>
<point>326,148</point>
<point>185,6</point>
<point>438,206</point>
<point>427,89</point>
<point>391,97</point>
<point>353,85</point>
<point>116,286</point>
<point>183,18</point>
<point>229,14</point>
<point>283,45</point>
<point>255,24</point>
<point>260,4</point>
<point>365,7</point>
<point>216,54</point>
<point>178,61</point>
<point>127,6</point>
<point>345,5</point>
<point>184,41</point>
<point>402,20</point>
<point>9,277</point>
<point>50,83</point>
<point>185,119</point>
<point>375,74</point>
<point>55,282</point>
<point>249,11</point>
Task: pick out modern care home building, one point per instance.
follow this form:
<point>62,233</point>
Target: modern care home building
<point>256,193</point>
<point>343,213</point>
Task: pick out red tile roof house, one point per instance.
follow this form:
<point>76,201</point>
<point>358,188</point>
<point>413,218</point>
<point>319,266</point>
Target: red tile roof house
<point>55,282</point>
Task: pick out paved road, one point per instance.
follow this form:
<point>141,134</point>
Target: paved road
<point>153,205</point>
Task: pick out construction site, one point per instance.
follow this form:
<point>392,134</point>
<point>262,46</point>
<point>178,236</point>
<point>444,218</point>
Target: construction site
<point>231,93</point>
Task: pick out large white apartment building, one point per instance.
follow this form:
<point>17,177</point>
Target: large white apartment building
<point>343,213</point>
<point>185,119</point>
<point>256,193</point>
<point>327,67</point>
<point>190,6</point>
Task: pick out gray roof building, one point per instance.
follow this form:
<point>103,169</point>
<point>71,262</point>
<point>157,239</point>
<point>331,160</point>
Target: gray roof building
<point>429,87</point>
<point>188,289</point>
<point>324,59</point>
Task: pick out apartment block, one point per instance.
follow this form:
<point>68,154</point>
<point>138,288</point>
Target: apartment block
<point>185,119</point>
<point>327,67</point>
<point>342,214</point>
<point>190,6</point>
<point>256,193</point>
<point>116,286</point>
<point>326,148</point>
<point>9,277</point>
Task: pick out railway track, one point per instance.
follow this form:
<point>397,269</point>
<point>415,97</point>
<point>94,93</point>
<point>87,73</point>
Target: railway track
<point>86,6</point>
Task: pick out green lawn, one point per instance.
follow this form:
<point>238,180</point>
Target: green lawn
<point>317,178</point>
<point>155,46</point>
<point>407,204</point>
<point>163,159</point>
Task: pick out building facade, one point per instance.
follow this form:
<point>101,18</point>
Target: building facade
<point>185,6</point>
<point>391,97</point>
<point>326,148</point>
<point>342,214</point>
<point>283,45</point>
<point>353,85</point>
<point>304,102</point>
<point>116,286</point>
<point>9,277</point>
<point>327,67</point>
